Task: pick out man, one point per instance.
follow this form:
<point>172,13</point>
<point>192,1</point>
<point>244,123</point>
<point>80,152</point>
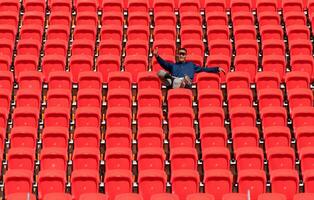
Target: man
<point>181,72</point>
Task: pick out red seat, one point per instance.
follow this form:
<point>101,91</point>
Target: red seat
<point>112,18</point>
<point>116,6</point>
<point>138,33</point>
<point>22,137</point>
<point>242,18</point>
<point>303,63</point>
<point>83,47</point>
<point>234,196</point>
<point>151,182</point>
<point>21,158</point>
<point>6,48</point>
<point>138,6</point>
<point>5,62</point>
<point>55,137</point>
<point>84,32</point>
<point>280,158</point>
<point>296,32</point>
<point>165,196</point>
<point>218,47</point>
<point>3,118</point>
<point>59,5</point>
<point>118,182</point>
<point>217,32</point>
<point>240,6</point>
<point>274,196</point>
<point>185,182</point>
<point>190,18</point>
<point>268,18</point>
<point>165,47</point>
<point>181,117</point>
<point>213,136</point>
<point>183,158</point>
<point>28,98</point>
<point>207,80</point>
<point>84,181</point>
<point>53,63</point>
<point>300,98</point>
<point>211,6</point>
<point>246,47</point>
<point>30,80</point>
<point>216,18</point>
<point>25,63</point>
<point>60,80</point>
<point>218,182</point>
<point>271,32</point>
<point>31,33</point>
<point>277,136</point>
<point>150,137</point>
<point>50,181</point>
<point>308,182</point>
<point>60,18</point>
<point>149,98</point>
<point>86,116</point>
<point>193,46</point>
<point>267,79</point>
<point>242,116</point>
<point>86,137</point>
<point>179,97</point>
<point>202,196</point>
<point>9,17</point>
<point>95,196</point>
<point>252,180</point>
<point>244,32</point>
<point>135,18</point>
<point>209,98</point>
<point>80,64</point>
<point>113,32</point>
<point>149,117</point>
<point>245,137</point>
<point>14,196</point>
<point>33,5</point>
<point>191,33</point>
<point>188,6</point>
<point>249,158</point>
<point>292,6</point>
<point>300,47</point>
<point>166,31</point>
<point>216,158</point>
<point>59,98</point>
<point>248,64</point>
<point>18,181</point>
<point>5,99</point>
<point>53,158</point>
<point>136,48</point>
<point>162,18</point>
<point>182,137</point>
<point>86,158</point>
<point>306,156</point>
<point>119,80</point>
<point>273,116</point>
<point>285,181</point>
<point>241,97</point>
<point>275,63</point>
<point>118,158</point>
<point>3,137</point>
<point>294,17</point>
<point>303,196</point>
<point>90,80</point>
<point>112,46</point>
<point>86,5</point>
<point>211,116</point>
<point>56,116</point>
<point>302,116</point>
<point>118,137</point>
<point>270,98</point>
<point>135,64</point>
<point>108,63</point>
<point>25,116</point>
<point>63,196</point>
<point>89,98</point>
<point>13,6</point>
<point>304,136</point>
<point>87,18</point>
<point>34,17</point>
<point>163,6</point>
<point>150,158</point>
<point>297,79</point>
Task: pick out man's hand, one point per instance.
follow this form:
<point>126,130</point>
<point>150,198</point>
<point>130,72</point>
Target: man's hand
<point>221,70</point>
<point>155,52</point>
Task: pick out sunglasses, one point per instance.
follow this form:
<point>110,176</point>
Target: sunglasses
<point>182,54</point>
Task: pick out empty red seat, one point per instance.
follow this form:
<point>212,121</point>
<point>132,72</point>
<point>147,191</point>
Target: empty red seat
<point>294,17</point>
<point>188,6</point>
<point>53,158</point>
<point>55,137</point>
<point>240,98</point>
<point>96,196</point>
<point>149,98</point>
<point>90,80</point>
<point>306,157</point>
<point>5,62</point>
<point>51,181</point>
<point>138,6</point>
<point>185,182</point>
<point>83,47</point>
<point>297,79</point>
<point>25,63</point>
<point>25,116</point>
<point>274,196</point>
<point>113,32</point>
<point>267,79</point>
<point>211,116</point>
<point>285,181</point>
<point>271,32</point>
<point>165,47</point>
<point>53,196</point>
<point>162,18</point>
<point>302,116</point>
<point>213,136</point>
<point>60,80</point>
<point>30,80</point>
<point>216,18</point>
<point>56,116</point>
<point>179,97</point>
<point>32,5</point>
<point>9,17</point>
<point>116,6</point>
<point>207,80</point>
<point>5,99</point>
<point>86,137</point>
<point>182,137</point>
<point>248,64</point>
<point>30,32</point>
<point>59,98</point>
<point>245,137</point>
<point>84,181</point>
<point>14,196</point>
<point>21,158</point>
<point>181,117</point>
<point>163,6</point>
<point>218,47</point>
<point>150,158</point>
<point>183,158</point>
<point>270,98</point>
<point>6,47</point>
<point>305,136</point>
<point>191,32</point>
<point>135,64</point>
<point>118,117</point>
<point>296,32</point>
<point>268,18</point>
<point>3,118</point>
<point>89,98</point>
<point>135,18</point>
<point>149,117</point>
<point>190,18</point>
<point>193,46</point>
<point>28,98</point>
<point>273,116</point>
<point>165,196</point>
<point>59,5</point>
<point>203,196</point>
<point>244,32</point>
<point>13,6</point>
<point>22,137</point>
<point>252,180</point>
<point>108,63</point>
<point>216,158</point>
<point>274,63</point>
<point>80,64</point>
<point>87,116</point>
<point>165,31</point>
<point>240,6</point>
<point>118,182</point>
<point>112,18</point>
<point>218,182</point>
<point>110,47</point>
<point>273,47</point>
<point>87,18</point>
<point>217,32</point>
<point>300,98</point>
<point>138,33</point>
<point>303,196</point>
<point>249,158</point>
<point>292,6</point>
<point>86,158</point>
<point>303,63</point>
<point>84,32</point>
<point>118,158</point>
<point>86,5</point>
<point>300,47</point>
<point>18,181</point>
<point>211,6</point>
<point>280,158</point>
<point>277,136</point>
<point>60,18</point>
<point>242,116</point>
<point>118,137</point>
<point>209,98</point>
<point>136,47</point>
<point>247,47</point>
<point>52,63</point>
<point>119,80</point>
<point>308,182</point>
<point>242,18</point>
<point>234,196</point>
<point>150,137</point>
<point>151,182</point>
<point>34,17</point>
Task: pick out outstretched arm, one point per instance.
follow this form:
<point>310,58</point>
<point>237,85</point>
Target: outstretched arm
<point>209,69</point>
<point>164,64</point>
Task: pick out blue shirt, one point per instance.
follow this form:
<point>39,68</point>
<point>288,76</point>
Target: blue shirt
<point>180,69</point>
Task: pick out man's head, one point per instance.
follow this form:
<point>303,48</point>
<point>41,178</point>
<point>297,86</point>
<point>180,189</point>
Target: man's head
<point>182,54</point>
